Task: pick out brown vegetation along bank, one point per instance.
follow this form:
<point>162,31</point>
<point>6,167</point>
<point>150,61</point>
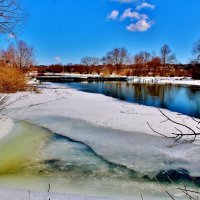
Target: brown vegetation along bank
<point>149,69</point>
<point>11,80</point>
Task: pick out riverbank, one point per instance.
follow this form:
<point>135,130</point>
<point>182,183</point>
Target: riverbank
<point>64,77</point>
<point>166,80</point>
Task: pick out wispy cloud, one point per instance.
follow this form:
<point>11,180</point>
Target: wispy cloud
<point>140,26</point>
<point>57,59</point>
<point>113,15</point>
<point>145,5</point>
<point>128,13</point>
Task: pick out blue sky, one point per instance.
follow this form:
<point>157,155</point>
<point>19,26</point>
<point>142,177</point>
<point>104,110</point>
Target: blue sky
<point>66,30</point>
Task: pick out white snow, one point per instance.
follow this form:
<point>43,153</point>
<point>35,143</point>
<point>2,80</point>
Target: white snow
<point>165,80</point>
<point>96,109</point>
<point>103,111</point>
<point>8,194</point>
<point>6,125</point>
<point>72,75</point>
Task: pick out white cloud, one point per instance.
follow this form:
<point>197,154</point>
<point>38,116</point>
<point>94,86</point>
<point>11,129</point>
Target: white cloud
<point>145,5</point>
<point>144,16</point>
<point>113,15</point>
<point>128,13</point>
<point>141,26</point>
<point>57,59</point>
<point>139,22</point>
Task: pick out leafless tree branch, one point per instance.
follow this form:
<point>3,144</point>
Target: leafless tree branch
<point>11,16</point>
<point>179,135</point>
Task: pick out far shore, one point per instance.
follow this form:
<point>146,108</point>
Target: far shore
<point>65,77</point>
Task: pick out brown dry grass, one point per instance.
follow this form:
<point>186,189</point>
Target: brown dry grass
<point>11,80</point>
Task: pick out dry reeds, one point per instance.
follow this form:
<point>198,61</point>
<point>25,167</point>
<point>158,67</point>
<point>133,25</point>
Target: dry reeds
<point>11,79</point>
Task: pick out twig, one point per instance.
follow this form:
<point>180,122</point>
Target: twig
<point>49,188</point>
<point>179,135</point>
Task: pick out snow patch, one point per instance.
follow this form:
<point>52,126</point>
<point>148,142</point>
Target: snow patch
<point>6,125</point>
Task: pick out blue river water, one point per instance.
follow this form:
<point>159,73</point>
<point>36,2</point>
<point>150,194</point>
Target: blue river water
<point>181,99</point>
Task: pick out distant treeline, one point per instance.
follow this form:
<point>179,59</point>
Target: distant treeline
<point>119,62</point>
<point>150,69</point>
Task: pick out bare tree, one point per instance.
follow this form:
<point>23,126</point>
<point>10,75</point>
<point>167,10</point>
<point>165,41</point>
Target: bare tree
<point>21,56</point>
<point>196,51</point>
<point>196,60</point>
<point>90,61</point>
<point>8,55</point>
<point>155,62</point>
<point>117,56</point>
<point>142,57</point>
<point>24,55</point>
<point>167,57</point>
<point>11,16</point>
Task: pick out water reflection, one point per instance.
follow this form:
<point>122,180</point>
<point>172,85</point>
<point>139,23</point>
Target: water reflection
<point>183,99</point>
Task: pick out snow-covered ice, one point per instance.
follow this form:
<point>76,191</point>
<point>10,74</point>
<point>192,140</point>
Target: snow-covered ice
<point>113,129</point>
<point>6,125</point>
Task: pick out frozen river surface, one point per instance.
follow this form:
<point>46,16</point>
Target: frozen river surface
<point>80,158</point>
<point>80,143</point>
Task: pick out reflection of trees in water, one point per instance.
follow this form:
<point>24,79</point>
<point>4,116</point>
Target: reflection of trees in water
<point>158,95</point>
<point>171,91</point>
<point>148,94</point>
<point>193,94</point>
<point>113,89</point>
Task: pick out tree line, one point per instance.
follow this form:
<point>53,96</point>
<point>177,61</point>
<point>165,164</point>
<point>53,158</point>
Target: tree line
<point>121,56</point>
<point>119,62</point>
